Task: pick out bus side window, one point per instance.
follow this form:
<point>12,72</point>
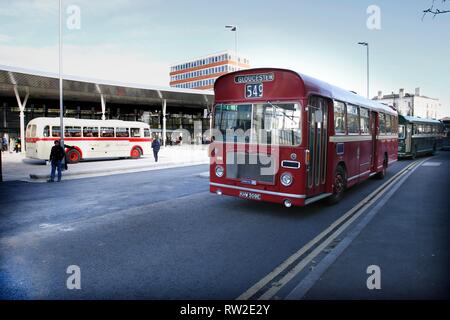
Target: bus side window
<point>364,118</point>
<point>56,132</point>
<point>33,131</point>
<point>146,133</point>
<point>339,117</point>
<point>107,132</point>
<point>382,123</point>
<point>352,119</point>
<point>419,129</point>
<point>135,132</point>
<point>122,133</point>
<point>388,124</point>
<point>46,132</point>
<point>72,132</point>
<point>90,132</point>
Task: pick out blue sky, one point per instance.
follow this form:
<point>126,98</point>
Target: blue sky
<point>136,41</point>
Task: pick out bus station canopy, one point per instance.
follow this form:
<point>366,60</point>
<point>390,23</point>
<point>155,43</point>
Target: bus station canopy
<point>44,85</point>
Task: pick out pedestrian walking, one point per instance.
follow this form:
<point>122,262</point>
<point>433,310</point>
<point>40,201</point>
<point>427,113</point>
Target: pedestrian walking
<point>156,145</point>
<point>56,156</point>
<point>4,144</point>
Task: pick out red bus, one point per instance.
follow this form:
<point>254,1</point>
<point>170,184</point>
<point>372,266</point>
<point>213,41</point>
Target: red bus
<point>304,140</point>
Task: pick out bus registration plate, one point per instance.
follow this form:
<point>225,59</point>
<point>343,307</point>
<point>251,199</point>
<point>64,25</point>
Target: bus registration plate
<point>249,195</point>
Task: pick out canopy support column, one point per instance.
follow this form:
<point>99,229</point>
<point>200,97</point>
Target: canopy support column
<point>21,105</point>
<point>102,99</point>
<point>164,109</point>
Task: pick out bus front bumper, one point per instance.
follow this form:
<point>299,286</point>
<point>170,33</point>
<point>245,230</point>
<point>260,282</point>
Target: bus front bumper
<point>287,199</point>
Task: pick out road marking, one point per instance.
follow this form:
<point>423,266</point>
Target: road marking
<point>204,174</point>
<point>431,164</point>
<point>276,286</point>
<point>48,225</point>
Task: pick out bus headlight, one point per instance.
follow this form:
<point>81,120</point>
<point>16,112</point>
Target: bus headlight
<point>219,171</point>
<point>286,179</point>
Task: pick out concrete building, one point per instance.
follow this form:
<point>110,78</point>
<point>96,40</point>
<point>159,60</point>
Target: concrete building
<point>27,94</point>
<point>201,73</point>
<point>409,104</point>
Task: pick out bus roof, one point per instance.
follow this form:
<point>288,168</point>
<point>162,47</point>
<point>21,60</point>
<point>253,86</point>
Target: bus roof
<point>87,122</point>
<point>316,86</point>
<point>334,92</point>
<point>420,120</point>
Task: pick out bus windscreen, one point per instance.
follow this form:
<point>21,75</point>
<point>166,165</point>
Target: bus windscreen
<point>269,123</point>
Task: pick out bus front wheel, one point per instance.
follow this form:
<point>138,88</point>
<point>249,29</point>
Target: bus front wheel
<point>339,185</point>
<point>73,156</point>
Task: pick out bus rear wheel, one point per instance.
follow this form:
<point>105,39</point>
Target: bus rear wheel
<point>136,153</point>
<point>339,185</point>
<point>73,156</point>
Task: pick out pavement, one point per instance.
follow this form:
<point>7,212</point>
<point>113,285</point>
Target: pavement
<point>17,167</point>
<point>409,240</point>
<point>161,235</point>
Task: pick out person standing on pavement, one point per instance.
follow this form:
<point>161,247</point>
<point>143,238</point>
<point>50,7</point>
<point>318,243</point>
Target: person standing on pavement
<point>18,146</point>
<point>56,156</point>
<point>4,144</point>
<point>156,145</point>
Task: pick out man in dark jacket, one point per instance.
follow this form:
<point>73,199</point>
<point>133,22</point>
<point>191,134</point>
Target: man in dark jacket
<point>156,145</point>
<point>56,156</point>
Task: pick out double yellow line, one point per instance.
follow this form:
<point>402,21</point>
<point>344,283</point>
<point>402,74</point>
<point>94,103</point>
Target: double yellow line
<point>272,283</point>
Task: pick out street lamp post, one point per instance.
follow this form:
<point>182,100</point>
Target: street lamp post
<point>366,44</point>
<point>61,104</point>
<point>234,29</point>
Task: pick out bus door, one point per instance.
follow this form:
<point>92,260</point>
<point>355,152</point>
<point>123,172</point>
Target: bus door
<point>408,137</point>
<point>374,133</point>
<point>318,143</point>
<point>366,145</point>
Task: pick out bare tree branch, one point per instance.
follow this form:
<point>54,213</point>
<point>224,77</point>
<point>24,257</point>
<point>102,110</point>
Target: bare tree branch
<point>434,11</point>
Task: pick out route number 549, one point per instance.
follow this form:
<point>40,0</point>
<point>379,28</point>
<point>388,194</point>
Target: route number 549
<point>254,90</point>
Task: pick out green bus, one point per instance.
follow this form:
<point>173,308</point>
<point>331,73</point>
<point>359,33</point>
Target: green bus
<point>418,136</point>
<point>446,135</point>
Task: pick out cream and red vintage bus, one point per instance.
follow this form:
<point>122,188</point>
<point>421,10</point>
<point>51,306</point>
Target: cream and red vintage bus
<point>305,140</point>
<point>88,139</point>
